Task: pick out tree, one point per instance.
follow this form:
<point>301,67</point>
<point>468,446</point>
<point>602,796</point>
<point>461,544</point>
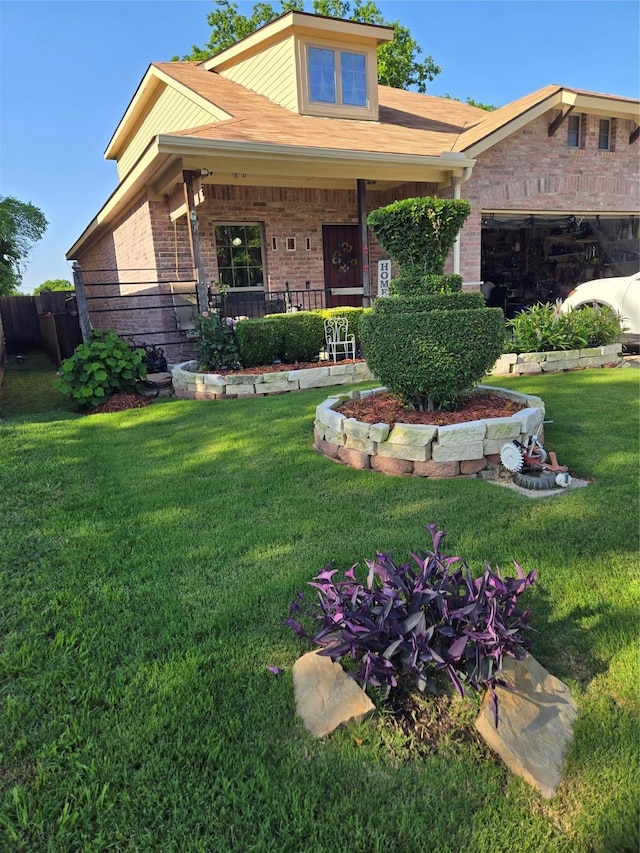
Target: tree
<point>22,224</point>
<point>398,64</point>
<point>53,284</point>
<point>472,103</point>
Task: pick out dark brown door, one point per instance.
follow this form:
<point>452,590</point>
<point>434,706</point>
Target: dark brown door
<point>342,264</point>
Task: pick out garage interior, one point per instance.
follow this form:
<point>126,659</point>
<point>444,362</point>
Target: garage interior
<point>530,258</point>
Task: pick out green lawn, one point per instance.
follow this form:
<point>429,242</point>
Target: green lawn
<point>148,559</point>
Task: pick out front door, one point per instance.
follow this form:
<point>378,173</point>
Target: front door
<point>342,264</point>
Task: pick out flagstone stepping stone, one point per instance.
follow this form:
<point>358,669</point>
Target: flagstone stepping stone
<point>535,723</point>
<point>325,695</point>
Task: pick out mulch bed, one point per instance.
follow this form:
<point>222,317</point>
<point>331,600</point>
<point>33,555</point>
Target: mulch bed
<point>283,368</point>
<point>120,403</point>
<point>384,408</point>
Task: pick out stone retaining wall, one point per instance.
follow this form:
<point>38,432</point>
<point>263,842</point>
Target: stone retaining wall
<point>554,362</point>
<point>425,451</point>
<point>189,383</point>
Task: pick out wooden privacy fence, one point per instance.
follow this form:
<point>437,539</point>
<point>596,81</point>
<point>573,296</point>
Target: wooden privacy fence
<point>48,321</point>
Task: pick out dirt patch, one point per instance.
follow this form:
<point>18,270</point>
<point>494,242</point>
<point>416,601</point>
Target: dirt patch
<point>120,403</point>
<point>434,725</point>
<point>384,408</point>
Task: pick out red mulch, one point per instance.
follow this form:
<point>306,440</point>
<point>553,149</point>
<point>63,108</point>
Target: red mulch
<point>121,402</point>
<point>384,408</point>
<point>282,368</point>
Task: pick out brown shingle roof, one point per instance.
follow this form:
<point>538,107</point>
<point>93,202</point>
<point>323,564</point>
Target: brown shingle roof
<point>409,123</point>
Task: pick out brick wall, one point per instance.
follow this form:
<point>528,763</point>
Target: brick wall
<point>530,171</point>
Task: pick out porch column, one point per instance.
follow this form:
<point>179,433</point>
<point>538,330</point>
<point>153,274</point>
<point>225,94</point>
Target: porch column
<point>364,242</point>
<point>194,242</point>
<point>81,302</point>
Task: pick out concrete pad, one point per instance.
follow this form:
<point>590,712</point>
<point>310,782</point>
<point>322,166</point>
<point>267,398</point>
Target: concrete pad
<point>535,723</point>
<point>325,695</point>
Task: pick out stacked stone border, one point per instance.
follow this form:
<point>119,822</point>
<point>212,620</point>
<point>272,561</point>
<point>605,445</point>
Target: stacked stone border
<point>193,385</point>
<point>515,364</point>
<point>424,450</point>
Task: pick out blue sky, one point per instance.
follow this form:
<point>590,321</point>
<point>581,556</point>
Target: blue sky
<point>69,69</point>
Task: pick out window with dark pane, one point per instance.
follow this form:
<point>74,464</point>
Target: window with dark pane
<point>239,254</point>
<point>574,124</point>
<point>604,134</point>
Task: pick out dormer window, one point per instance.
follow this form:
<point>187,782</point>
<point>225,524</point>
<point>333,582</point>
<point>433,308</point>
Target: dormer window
<point>337,77</point>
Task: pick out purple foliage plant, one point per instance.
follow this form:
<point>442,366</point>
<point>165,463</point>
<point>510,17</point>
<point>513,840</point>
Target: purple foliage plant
<point>420,618</point>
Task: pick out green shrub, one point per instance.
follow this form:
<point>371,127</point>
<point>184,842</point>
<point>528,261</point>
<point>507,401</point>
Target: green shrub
<point>259,341</point>
<point>104,366</point>
<point>435,302</point>
<point>288,337</point>
<point>431,358</point>
<point>415,282</point>
<point>216,344</point>
<point>544,328</point>
<point>419,232</point>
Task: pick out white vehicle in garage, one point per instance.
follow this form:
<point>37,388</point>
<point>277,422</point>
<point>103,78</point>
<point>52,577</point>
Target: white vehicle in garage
<point>621,294</point>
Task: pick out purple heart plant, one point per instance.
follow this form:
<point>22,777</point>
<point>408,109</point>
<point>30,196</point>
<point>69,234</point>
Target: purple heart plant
<point>420,618</point>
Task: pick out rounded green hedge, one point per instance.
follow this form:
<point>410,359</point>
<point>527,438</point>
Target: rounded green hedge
<point>431,358</point>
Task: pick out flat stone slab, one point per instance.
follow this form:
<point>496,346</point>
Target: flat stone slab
<point>325,695</point>
<point>535,723</point>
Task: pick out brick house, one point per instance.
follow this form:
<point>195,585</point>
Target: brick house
<point>256,169</point>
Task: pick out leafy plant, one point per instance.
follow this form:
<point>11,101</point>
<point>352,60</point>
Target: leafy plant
<point>104,366</point>
<point>545,327</point>
<point>419,232</point>
<point>288,337</point>
<point>216,345</point>
<point>419,618</point>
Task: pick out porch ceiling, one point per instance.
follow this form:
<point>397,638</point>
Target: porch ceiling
<point>294,166</point>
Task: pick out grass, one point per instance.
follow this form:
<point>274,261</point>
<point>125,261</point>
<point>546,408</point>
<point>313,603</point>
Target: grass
<point>148,560</point>
<point>26,388</point>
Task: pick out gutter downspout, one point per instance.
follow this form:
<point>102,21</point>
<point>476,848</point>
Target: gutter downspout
<point>457,184</point>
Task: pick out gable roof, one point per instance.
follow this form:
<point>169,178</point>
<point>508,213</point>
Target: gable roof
<point>409,123</point>
<point>500,123</point>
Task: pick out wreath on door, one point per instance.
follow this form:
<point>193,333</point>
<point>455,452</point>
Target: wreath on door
<point>344,257</point>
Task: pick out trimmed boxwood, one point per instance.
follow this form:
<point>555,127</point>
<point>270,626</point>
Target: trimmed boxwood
<point>415,282</point>
<point>431,358</point>
<point>435,302</point>
<point>288,337</point>
<point>259,341</point>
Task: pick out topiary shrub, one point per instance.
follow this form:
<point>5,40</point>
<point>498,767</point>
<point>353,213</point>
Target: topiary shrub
<point>432,358</point>
<point>415,282</point>
<point>105,365</point>
<point>417,619</point>
<point>419,232</point>
<point>428,342</point>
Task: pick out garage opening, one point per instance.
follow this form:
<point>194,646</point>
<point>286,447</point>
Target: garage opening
<point>529,258</point>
